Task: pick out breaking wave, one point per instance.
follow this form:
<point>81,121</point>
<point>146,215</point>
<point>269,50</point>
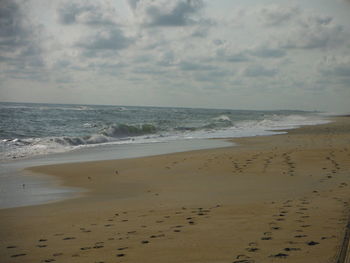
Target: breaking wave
<point>108,134</point>
<point>29,130</point>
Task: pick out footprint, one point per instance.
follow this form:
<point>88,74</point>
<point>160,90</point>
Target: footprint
<point>300,236</point>
<point>18,255</point>
<point>155,236</point>
<point>292,249</point>
<point>49,260</point>
<point>252,249</point>
<point>41,246</point>
<point>98,246</point>
<point>280,255</point>
<point>68,238</point>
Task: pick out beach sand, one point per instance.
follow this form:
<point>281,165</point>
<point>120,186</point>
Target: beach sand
<point>281,198</point>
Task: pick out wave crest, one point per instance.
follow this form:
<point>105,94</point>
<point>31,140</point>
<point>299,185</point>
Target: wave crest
<point>124,130</point>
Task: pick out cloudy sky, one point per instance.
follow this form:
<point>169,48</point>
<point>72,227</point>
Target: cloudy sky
<point>237,54</point>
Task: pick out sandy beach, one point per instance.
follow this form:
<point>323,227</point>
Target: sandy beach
<point>281,198</point>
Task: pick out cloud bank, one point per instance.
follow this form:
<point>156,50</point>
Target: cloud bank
<point>174,49</point>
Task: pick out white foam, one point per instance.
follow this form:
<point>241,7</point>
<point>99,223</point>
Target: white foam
<point>222,118</point>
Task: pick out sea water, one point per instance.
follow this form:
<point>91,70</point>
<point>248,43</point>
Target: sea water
<point>39,134</point>
<point>28,130</point>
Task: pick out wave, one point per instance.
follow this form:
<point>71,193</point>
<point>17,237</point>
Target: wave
<point>217,127</point>
<point>223,118</point>
<point>108,134</point>
<point>122,130</point>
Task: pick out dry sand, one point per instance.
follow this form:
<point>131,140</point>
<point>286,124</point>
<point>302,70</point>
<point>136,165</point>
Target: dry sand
<point>280,198</point>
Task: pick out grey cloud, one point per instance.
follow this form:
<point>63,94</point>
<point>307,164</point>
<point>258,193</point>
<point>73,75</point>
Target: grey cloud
<point>63,79</point>
<point>166,59</point>
<point>323,20</point>
<point>307,31</point>
<point>133,3</point>
<point>13,30</point>
<point>342,71</point>
<point>259,71</point>
<point>200,32</point>
<point>154,42</point>
<point>106,65</point>
<point>339,70</point>
<point>67,13</point>
<point>213,76</point>
<point>107,68</point>
<point>112,39</point>
<point>190,66</point>
<point>180,15</point>
<point>218,42</point>
<point>238,57</point>
<point>234,57</point>
<point>85,13</point>
<point>143,58</point>
<point>277,15</point>
<point>336,73</point>
<point>62,63</point>
<point>315,32</point>
<point>148,71</point>
<point>160,13</point>
<point>20,46</point>
<point>267,52</point>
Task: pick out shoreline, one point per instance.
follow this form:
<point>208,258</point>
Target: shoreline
<point>267,199</point>
<point>41,189</point>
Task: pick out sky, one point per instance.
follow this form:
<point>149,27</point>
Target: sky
<point>234,54</point>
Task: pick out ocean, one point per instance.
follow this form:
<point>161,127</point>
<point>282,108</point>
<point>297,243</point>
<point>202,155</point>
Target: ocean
<point>28,129</point>
<point>40,134</point>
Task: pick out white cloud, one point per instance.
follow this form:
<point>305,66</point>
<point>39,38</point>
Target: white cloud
<point>86,12</point>
<point>315,34</point>
<point>110,39</point>
<point>277,15</point>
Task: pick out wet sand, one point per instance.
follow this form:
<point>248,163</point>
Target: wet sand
<point>281,198</point>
